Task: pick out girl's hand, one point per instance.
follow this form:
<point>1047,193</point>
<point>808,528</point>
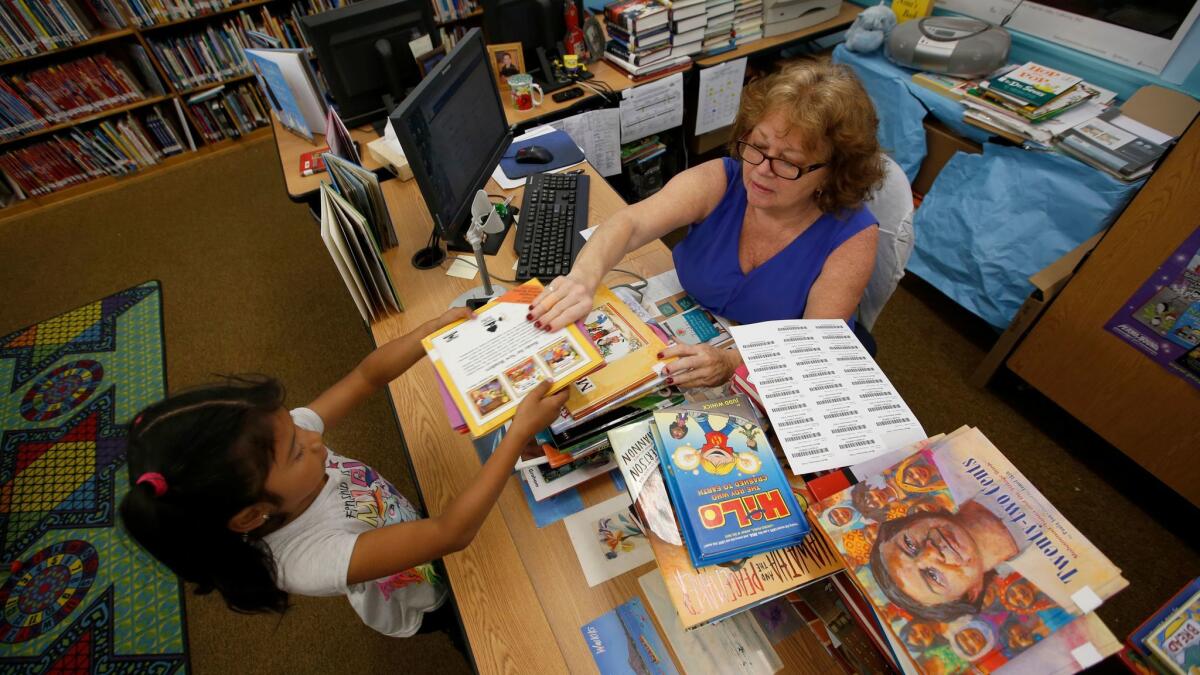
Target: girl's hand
<point>454,314</point>
<point>537,410</point>
<point>563,301</point>
<point>699,365</point>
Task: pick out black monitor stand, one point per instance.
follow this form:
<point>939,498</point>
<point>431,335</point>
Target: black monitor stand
<point>395,83</point>
<point>432,255</point>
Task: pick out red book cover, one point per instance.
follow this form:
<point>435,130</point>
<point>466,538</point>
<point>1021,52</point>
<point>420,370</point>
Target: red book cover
<point>312,162</point>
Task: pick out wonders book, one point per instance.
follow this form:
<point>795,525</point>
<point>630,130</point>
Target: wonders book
<point>968,565</point>
<point>708,594</point>
<point>490,362</point>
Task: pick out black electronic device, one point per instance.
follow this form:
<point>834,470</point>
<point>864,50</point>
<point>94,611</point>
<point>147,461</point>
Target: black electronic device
<point>363,53</point>
<point>554,210</point>
<point>453,131</point>
<point>539,25</point>
<point>534,154</point>
<point>567,94</point>
<point>553,75</point>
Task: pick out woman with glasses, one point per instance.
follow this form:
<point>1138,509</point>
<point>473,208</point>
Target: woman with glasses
<point>777,231</point>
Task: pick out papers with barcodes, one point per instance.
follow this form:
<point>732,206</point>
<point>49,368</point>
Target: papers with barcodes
<point>829,402</point>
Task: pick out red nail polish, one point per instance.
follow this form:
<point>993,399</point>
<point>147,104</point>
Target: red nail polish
<point>659,355</point>
<point>529,317</point>
<point>537,324</point>
<point>670,380</point>
<point>531,307</point>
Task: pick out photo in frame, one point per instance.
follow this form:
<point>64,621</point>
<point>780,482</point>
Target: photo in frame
<point>426,61</point>
<point>507,60</point>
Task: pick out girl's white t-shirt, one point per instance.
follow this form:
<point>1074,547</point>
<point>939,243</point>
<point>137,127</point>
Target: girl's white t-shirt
<point>312,553</point>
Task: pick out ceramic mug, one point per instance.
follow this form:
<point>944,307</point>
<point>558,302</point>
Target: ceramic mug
<point>525,94</point>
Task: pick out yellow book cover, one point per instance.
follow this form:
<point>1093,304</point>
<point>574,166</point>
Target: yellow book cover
<point>630,350</point>
<point>911,9</point>
<point>490,362</point>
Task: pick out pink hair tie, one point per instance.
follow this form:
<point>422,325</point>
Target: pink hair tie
<point>156,481</point>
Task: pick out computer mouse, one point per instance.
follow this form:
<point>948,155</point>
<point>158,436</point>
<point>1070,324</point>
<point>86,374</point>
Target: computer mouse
<point>534,154</point>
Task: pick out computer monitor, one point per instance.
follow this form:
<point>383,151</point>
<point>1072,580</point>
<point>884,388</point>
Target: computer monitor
<point>364,54</point>
<point>453,131</point>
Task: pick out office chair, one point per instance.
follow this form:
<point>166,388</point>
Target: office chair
<point>892,205</point>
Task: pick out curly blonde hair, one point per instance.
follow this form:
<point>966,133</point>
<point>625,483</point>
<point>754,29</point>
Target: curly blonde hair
<point>827,104</point>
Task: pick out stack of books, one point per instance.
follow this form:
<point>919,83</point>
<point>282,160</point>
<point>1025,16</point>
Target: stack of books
<point>1019,103</point>
<point>688,18</point>
<point>69,90</point>
<point>225,113</point>
<point>718,33</point>
<point>1168,643</point>
<point>747,21</point>
<point>114,147</point>
<point>203,57</point>
<point>1116,144</point>
<point>639,33</point>
<point>28,28</point>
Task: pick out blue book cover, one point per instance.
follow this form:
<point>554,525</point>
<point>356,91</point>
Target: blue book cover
<point>625,641</point>
<point>731,495</point>
<point>277,91</point>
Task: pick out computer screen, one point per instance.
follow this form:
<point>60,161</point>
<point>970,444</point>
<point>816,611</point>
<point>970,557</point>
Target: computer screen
<point>358,72</point>
<point>453,131</point>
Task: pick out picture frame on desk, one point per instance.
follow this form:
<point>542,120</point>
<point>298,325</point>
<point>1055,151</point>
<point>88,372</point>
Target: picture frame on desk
<point>507,60</point>
<point>429,59</point>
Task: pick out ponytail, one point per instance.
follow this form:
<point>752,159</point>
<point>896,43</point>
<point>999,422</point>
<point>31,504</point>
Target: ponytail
<point>196,459</point>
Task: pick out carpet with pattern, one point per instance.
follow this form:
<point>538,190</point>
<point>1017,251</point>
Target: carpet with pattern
<point>77,595</point>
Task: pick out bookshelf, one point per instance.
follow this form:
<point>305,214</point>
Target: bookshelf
<point>60,41</point>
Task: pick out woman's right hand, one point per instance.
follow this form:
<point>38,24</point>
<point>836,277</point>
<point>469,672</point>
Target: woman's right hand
<point>538,410</point>
<point>562,302</point>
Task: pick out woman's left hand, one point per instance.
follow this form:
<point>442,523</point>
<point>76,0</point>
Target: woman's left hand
<point>699,365</point>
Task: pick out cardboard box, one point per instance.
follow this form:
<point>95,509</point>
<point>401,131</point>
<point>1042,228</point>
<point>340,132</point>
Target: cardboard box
<point>1046,285</point>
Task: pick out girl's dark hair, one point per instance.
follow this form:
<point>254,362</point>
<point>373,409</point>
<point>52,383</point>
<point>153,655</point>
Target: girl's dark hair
<point>214,446</point>
<point>944,612</point>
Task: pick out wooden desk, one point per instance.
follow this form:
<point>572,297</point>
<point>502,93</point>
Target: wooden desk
<point>603,72</point>
<point>843,20</point>
<point>520,591</point>
<point>302,188</point>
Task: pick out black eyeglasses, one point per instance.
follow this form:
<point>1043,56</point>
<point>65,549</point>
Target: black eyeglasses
<point>781,167</point>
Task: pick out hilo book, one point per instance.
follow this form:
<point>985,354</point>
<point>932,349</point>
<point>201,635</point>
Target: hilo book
<point>709,594</point>
<point>731,495</point>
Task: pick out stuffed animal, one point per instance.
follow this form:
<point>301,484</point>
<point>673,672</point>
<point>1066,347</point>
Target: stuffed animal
<point>869,30</point>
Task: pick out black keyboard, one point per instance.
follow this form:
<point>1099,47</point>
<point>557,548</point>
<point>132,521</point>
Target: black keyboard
<point>553,211</point>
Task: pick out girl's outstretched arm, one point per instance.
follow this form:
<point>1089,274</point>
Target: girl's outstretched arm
<point>381,366</point>
<point>393,548</point>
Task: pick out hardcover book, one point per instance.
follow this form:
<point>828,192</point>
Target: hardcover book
<point>730,493</point>
<point>489,363</point>
<point>630,350</point>
<point>1176,641</point>
<point>636,16</point>
<point>968,565</point>
<point>708,594</point>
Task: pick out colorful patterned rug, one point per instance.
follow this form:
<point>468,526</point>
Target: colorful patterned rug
<point>76,594</point>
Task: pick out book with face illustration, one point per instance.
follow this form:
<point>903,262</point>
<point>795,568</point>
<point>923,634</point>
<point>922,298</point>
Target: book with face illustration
<point>965,561</point>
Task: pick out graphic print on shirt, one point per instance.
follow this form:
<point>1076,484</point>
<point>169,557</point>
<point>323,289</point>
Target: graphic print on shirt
<point>371,499</point>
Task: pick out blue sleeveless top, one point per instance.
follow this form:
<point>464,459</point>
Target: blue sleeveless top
<point>707,260</point>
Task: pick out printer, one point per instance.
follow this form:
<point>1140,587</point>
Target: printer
<point>785,16</point>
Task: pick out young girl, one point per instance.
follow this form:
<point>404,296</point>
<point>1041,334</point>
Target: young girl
<point>234,492</point>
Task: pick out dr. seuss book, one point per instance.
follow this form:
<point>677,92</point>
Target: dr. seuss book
<point>707,594</point>
<point>630,350</point>
<point>730,493</point>
<point>490,362</point>
<point>966,563</point>
<point>1137,640</point>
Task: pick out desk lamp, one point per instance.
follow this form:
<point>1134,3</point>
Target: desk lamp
<point>484,221</point>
